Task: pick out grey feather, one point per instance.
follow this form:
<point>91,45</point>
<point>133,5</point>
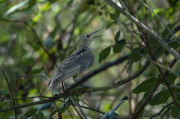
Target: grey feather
<point>80,60</point>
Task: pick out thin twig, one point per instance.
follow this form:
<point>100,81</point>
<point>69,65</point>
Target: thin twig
<point>159,113</point>
<point>9,89</point>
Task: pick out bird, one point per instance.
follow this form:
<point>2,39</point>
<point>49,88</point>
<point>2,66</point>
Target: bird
<point>80,60</point>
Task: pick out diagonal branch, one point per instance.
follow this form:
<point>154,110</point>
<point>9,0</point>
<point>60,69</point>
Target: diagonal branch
<point>151,33</point>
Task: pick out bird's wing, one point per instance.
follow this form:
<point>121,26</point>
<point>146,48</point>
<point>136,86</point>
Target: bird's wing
<point>76,63</point>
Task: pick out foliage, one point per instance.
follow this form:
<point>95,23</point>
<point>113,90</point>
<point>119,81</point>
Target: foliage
<point>35,35</point>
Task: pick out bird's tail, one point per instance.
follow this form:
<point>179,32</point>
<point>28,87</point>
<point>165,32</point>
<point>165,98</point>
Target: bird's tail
<point>52,85</point>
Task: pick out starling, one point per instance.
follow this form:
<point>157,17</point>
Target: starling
<point>81,59</point>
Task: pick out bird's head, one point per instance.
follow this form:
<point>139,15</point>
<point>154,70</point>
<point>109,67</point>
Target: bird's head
<point>86,39</point>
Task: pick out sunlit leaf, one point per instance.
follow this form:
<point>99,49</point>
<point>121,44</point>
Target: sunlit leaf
<point>104,54</point>
<point>145,86</point>
<point>15,7</point>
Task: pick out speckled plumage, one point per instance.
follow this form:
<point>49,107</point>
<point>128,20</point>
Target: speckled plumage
<point>80,60</point>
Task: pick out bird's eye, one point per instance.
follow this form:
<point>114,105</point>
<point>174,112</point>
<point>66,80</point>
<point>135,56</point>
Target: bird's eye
<point>88,36</point>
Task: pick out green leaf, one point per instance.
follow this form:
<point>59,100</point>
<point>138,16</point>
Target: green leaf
<point>16,7</point>
<point>27,81</point>
<point>175,111</point>
<point>136,57</point>
<point>166,31</point>
<point>52,1</point>
<point>31,112</point>
<point>40,115</point>
<point>145,86</point>
<point>5,115</point>
<point>171,78</point>
<point>19,93</point>
<point>36,71</point>
<point>117,13</point>
<point>3,104</point>
<point>109,25</point>
<point>61,109</point>
<point>32,2</point>
<point>156,98</point>
<point>173,43</point>
<point>119,46</point>
<point>44,106</point>
<point>165,112</point>
<point>113,17</point>
<point>104,54</point>
<point>116,38</point>
<point>166,95</point>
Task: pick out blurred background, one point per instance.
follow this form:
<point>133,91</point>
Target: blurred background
<point>58,25</point>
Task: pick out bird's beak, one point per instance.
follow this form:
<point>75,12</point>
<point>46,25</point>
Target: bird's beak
<point>94,33</point>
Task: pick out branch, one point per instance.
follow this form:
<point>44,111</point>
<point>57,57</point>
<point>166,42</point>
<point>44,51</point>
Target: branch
<point>9,89</point>
<point>151,33</point>
<point>161,110</point>
<point>98,70</point>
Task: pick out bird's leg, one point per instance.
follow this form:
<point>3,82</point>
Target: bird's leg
<point>64,90</point>
<point>84,87</point>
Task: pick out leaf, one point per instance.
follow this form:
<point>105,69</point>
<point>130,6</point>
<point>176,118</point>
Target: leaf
<point>156,98</point>
<point>117,13</point>
<point>36,71</point>
<point>171,78</point>
<point>125,98</point>
<point>113,17</point>
<point>136,57</point>
<point>104,54</point>
<point>119,46</point>
<point>40,115</point>
<point>7,114</point>
<point>44,106</point>
<point>14,8</point>
<point>61,109</point>
<point>165,112</point>
<point>175,111</point>
<point>109,25</point>
<point>3,104</point>
<point>52,1</point>
<point>27,81</point>
<point>31,112</point>
<point>166,95</point>
<point>166,31</point>
<point>145,86</point>
<point>116,38</point>
<point>173,43</point>
<point>19,93</point>
<point>32,3</point>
